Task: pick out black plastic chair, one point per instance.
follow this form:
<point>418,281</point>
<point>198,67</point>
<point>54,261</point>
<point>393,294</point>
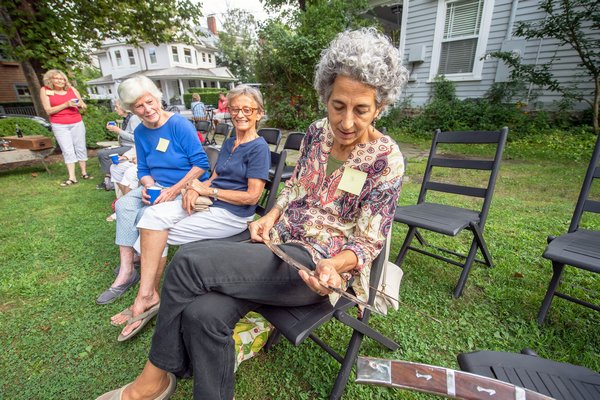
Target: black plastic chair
<point>212,153</point>
<point>221,129</point>
<point>579,248</point>
<point>271,135</point>
<point>450,220</point>
<point>204,128</point>
<point>292,142</point>
<point>298,323</point>
<point>559,380</point>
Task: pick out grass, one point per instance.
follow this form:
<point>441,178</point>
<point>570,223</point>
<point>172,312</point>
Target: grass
<point>58,253</point>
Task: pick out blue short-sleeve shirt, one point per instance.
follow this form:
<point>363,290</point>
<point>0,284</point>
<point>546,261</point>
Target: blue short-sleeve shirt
<point>250,160</point>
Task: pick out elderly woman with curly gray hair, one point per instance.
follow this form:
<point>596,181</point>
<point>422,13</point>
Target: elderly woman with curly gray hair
<point>333,216</point>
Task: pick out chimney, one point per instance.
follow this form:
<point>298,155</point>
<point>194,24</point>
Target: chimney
<point>212,24</point>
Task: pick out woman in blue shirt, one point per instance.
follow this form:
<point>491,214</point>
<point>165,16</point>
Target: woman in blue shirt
<point>234,186</point>
<point>169,155</point>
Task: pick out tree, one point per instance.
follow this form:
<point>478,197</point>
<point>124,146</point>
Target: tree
<point>237,44</point>
<point>45,34</point>
<point>290,48</point>
<point>572,23</point>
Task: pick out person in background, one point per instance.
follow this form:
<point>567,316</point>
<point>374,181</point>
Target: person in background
<point>62,103</point>
<point>198,108</point>
<point>169,156</point>
<point>126,141</point>
<point>222,109</point>
<point>333,225</point>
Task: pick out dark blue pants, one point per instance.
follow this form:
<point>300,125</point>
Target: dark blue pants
<point>208,287</point>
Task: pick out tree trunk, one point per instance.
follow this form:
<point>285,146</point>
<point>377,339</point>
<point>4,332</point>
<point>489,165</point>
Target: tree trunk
<point>33,83</point>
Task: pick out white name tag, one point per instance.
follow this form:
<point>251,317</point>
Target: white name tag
<point>163,145</point>
<point>352,181</point>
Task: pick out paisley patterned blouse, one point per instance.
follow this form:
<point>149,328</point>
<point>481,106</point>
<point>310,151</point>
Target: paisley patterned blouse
<point>327,220</point>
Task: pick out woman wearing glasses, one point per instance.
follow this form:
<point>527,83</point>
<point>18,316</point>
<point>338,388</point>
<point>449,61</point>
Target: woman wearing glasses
<point>62,103</point>
<point>234,186</point>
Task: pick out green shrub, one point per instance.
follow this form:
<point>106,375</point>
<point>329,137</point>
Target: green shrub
<point>95,119</point>
<point>208,95</point>
<point>27,126</point>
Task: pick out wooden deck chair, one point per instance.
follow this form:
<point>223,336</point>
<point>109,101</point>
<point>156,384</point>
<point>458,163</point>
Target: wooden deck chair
<point>451,220</point>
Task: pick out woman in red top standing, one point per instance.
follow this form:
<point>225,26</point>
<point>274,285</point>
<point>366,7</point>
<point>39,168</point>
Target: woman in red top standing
<point>62,102</point>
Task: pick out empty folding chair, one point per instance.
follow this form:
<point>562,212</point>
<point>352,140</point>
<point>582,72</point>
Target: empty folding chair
<point>222,129</point>
<point>204,128</point>
<point>451,220</point>
<point>579,248</point>
<point>271,135</point>
<point>292,142</point>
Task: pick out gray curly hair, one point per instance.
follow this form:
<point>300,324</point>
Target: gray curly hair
<point>366,56</point>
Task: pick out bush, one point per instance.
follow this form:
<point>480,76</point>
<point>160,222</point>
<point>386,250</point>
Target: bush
<point>27,126</point>
<point>208,95</point>
<point>95,119</point>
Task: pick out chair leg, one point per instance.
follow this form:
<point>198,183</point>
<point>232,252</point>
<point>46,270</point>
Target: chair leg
<point>482,245</point>
<point>420,238</point>
<point>349,359</point>
<point>409,237</point>
<point>466,268</point>
<point>558,269</point>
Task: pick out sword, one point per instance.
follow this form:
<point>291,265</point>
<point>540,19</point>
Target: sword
<point>299,267</point>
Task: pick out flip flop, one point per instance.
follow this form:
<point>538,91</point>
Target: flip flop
<point>126,312</point>
<point>118,393</point>
<point>87,176</point>
<point>145,317</point>
<point>68,182</point>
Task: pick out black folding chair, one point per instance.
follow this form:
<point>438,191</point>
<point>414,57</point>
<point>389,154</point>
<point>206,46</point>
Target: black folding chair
<point>579,248</point>
<point>271,135</point>
<point>559,380</point>
<point>222,129</point>
<point>203,127</point>
<point>298,323</point>
<point>212,153</point>
<point>292,142</point>
<point>451,220</point>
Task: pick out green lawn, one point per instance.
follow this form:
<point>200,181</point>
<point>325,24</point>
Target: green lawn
<point>58,253</point>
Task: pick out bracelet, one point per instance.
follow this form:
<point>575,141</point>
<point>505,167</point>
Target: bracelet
<point>278,207</point>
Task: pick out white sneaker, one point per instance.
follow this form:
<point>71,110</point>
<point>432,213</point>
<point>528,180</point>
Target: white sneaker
<point>111,217</point>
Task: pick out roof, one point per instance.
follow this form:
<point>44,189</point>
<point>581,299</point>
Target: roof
<point>218,73</point>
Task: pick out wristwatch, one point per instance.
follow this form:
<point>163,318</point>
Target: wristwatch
<point>215,193</point>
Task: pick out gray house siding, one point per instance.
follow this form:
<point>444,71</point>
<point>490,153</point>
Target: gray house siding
<point>419,31</point>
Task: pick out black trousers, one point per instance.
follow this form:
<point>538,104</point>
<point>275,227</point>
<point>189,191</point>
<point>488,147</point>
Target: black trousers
<point>208,287</point>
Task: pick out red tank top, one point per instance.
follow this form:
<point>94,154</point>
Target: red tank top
<point>69,115</point>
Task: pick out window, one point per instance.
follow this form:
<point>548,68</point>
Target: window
<point>461,40</point>
<point>192,83</point>
<point>22,91</point>
<point>152,54</point>
<point>209,58</point>
<point>175,53</point>
<point>131,56</point>
<point>118,57</point>
<point>203,57</point>
<point>187,55</point>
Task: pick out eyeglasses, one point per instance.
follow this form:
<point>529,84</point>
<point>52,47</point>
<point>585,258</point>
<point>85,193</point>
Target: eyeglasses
<point>247,111</point>
<point>58,78</point>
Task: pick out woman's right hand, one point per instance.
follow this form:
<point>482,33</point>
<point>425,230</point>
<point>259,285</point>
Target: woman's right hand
<point>189,200</point>
<point>145,196</point>
<point>71,103</point>
<point>259,229</point>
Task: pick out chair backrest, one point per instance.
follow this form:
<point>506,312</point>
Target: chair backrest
<point>293,141</point>
<point>437,159</point>
<point>213,154</point>
<point>583,202</point>
<point>222,129</point>
<point>270,193</point>
<point>271,136</point>
<point>202,126</point>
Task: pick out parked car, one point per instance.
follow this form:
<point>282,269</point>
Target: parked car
<point>35,118</point>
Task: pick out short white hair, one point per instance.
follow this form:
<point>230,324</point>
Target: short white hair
<point>366,56</point>
<point>133,88</point>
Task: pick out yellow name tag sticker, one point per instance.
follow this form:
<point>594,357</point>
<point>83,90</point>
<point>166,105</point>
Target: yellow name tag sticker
<point>163,144</point>
<point>352,181</point>
<point>49,92</point>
